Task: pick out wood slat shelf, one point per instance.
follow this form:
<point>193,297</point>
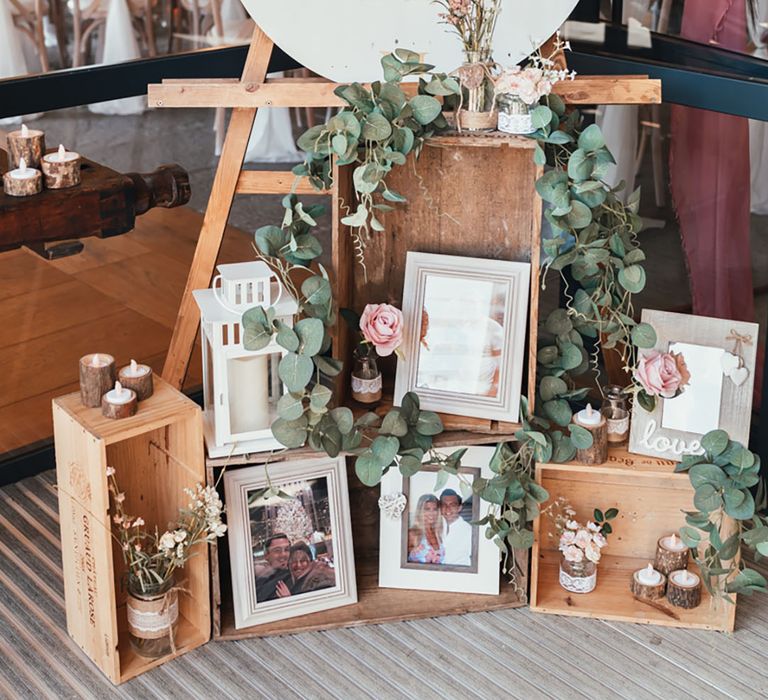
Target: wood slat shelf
<point>305,93</point>
<point>651,499</point>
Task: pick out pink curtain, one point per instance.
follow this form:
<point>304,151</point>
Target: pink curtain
<point>710,178</point>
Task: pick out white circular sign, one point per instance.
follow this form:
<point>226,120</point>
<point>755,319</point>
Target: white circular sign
<point>344,40</point>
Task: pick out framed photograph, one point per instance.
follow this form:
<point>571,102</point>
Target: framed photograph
<point>715,368</point>
<point>431,543</point>
<point>464,340</point>
<point>290,540</point>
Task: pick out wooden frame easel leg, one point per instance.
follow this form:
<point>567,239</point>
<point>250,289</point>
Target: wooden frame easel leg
<point>216,215</point>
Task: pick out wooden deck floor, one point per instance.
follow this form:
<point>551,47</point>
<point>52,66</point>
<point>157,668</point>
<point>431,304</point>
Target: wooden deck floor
<point>120,295</point>
<point>504,654</point>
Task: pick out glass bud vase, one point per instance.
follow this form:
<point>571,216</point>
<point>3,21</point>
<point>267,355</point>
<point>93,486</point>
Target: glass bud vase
<point>578,577</point>
<point>153,616</point>
<point>366,380</point>
<point>514,115</point>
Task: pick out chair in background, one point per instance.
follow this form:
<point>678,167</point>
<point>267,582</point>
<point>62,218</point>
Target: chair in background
<point>28,18</point>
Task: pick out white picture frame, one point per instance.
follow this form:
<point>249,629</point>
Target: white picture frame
<point>323,475</point>
<point>480,572</point>
<point>711,400</point>
<point>464,340</point>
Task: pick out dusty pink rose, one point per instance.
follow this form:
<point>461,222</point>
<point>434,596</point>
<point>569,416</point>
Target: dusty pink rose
<point>592,552</point>
<point>382,326</point>
<point>662,373</point>
<point>573,554</point>
<point>568,537</point>
<point>583,538</point>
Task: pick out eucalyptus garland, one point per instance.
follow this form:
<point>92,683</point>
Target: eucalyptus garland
<point>594,247</point>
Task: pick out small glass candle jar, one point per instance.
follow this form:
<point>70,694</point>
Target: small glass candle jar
<point>514,115</point>
<point>616,413</point>
<point>366,380</point>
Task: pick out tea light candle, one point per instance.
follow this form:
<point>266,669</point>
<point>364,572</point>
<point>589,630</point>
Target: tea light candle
<point>684,589</point>
<point>138,378</point>
<point>23,181</point>
<point>61,169</point>
<point>97,376</point>
<point>595,423</point>
<point>25,143</point>
<point>119,402</point>
<point>671,554</point>
<point>648,583</point>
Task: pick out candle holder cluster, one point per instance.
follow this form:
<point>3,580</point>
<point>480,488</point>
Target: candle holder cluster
<point>30,169</point>
<point>117,395</point>
<point>668,576</point>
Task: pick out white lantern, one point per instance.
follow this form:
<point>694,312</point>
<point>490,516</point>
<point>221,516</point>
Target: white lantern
<point>241,387</point>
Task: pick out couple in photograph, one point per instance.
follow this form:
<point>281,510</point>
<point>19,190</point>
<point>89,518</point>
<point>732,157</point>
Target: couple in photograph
<point>290,569</point>
<point>440,535</point>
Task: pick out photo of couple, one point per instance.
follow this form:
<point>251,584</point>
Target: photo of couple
<point>438,532</point>
<point>292,541</point>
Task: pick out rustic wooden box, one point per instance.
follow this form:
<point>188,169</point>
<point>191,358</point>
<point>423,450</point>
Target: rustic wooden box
<point>651,499</point>
<point>374,604</point>
<point>156,453</point>
<point>468,195</point>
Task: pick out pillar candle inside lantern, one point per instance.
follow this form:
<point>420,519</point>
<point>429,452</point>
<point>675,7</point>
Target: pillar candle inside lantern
<point>248,379</point>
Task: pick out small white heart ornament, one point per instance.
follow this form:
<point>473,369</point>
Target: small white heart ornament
<point>729,362</point>
<point>739,375</point>
<point>392,505</point>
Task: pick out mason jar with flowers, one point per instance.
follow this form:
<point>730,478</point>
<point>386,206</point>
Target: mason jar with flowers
<point>153,560</point>
<point>580,544</point>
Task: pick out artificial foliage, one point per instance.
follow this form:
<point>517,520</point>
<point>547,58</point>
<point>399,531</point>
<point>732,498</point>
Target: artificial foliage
<point>723,478</point>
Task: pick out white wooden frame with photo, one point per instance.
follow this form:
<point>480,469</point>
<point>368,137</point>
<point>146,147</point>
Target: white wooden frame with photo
<point>648,436</point>
<point>516,277</point>
<point>484,578</point>
<point>237,484</point>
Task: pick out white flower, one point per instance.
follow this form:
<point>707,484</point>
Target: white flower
<point>599,539</point>
<point>568,537</point>
<point>220,529</point>
<point>593,526</point>
<point>119,497</point>
<point>167,542</point>
<point>180,551</point>
<point>110,471</point>
<point>572,525</point>
<point>573,554</point>
<point>180,535</point>
<point>593,552</point>
<point>137,546</point>
<point>583,538</point>
<point>138,522</point>
<point>118,519</point>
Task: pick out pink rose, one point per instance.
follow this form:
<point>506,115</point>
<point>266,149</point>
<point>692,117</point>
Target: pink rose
<point>662,373</point>
<point>382,326</point>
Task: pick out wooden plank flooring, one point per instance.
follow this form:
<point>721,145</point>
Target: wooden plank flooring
<point>504,654</point>
<point>120,295</point>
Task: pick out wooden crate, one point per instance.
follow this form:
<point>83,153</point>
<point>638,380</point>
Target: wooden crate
<point>468,195</point>
<point>651,499</point>
<point>374,604</point>
<point>157,453</point>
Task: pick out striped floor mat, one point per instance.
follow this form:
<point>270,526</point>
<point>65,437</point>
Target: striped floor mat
<point>507,654</point>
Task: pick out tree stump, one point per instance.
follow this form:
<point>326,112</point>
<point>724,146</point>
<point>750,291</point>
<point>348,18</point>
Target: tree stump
<point>647,591</point>
<point>598,452</point>
<point>119,403</point>
<point>137,378</point>
<point>97,377</point>
<point>28,144</point>
<point>684,589</point>
<point>61,170</point>
<point>668,560</point>
<point>22,183</point>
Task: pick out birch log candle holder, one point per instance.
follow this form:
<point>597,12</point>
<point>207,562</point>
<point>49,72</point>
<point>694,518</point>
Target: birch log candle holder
<point>138,378</point>
<point>595,423</point>
<point>648,584</point>
<point>97,377</point>
<point>61,169</point>
<point>28,144</point>
<point>23,181</point>
<point>684,589</point>
<point>671,555</point>
<point>119,402</point>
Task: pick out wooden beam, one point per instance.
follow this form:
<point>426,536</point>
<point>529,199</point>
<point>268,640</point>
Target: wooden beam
<point>274,182</point>
<point>319,93</point>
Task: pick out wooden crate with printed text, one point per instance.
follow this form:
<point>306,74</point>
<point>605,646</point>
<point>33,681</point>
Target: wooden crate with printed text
<point>156,454</point>
<point>651,499</point>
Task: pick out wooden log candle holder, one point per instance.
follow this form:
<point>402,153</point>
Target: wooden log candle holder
<point>119,402</point>
<point>648,584</point>
<point>595,423</point>
<point>684,589</point>
<point>28,144</point>
<point>23,181</point>
<point>138,378</point>
<point>97,377</point>
<point>61,169</point>
<point>671,555</point>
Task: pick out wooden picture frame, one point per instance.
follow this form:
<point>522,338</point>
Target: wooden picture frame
<point>706,403</point>
<point>480,382</point>
<point>479,573</point>
<point>244,492</point>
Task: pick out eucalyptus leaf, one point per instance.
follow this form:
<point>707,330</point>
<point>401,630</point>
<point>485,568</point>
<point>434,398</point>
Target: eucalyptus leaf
<point>310,332</point>
<point>715,442</point>
<point>425,108</point>
<point>429,423</point>
<point>591,138</point>
<point>559,411</point>
<point>385,449</point>
<point>319,397</point>
<point>581,437</point>
<point>286,337</point>
<point>368,468</point>
<point>290,406</point>
<point>551,387</point>
<point>295,371</point>
<point>329,366</point>
<point>394,424</point>
<point>644,336</point>
<point>257,329</point>
<point>632,278</point>
<point>290,433</point>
